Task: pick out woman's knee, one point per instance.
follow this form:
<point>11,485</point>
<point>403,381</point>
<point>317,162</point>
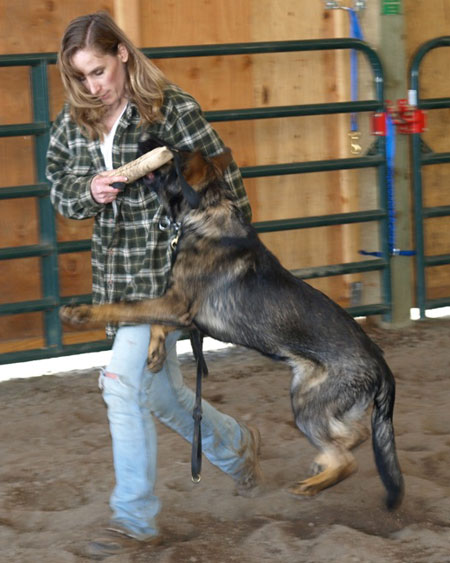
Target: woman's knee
<point>114,389</point>
<point>111,375</point>
<point>126,391</point>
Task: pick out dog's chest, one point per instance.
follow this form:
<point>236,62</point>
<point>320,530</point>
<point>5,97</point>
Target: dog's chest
<point>211,321</point>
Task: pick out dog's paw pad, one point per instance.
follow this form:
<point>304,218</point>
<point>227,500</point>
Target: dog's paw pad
<point>155,362</point>
<point>303,488</point>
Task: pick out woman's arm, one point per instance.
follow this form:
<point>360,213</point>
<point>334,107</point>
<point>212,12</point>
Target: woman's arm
<point>69,174</point>
<point>75,192</point>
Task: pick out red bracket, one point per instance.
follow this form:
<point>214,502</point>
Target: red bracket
<point>407,119</point>
<point>379,123</point>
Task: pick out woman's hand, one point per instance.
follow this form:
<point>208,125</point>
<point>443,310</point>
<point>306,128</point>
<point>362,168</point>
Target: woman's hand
<point>101,188</point>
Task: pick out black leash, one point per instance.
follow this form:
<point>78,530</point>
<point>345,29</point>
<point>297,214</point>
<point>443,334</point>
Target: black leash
<point>196,338</point>
<point>190,195</point>
<point>202,371</point>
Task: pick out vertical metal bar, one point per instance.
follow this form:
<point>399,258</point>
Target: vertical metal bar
<point>421,289</point>
<point>386,273</point>
<point>47,225</point>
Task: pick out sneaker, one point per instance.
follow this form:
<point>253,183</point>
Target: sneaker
<point>250,478</point>
<point>116,540</point>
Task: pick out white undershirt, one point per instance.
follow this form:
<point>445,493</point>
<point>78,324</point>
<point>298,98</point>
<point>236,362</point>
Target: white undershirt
<point>107,143</point>
<point>106,148</point>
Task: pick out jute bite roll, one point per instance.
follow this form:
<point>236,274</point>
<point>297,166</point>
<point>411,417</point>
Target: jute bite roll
<point>143,165</point>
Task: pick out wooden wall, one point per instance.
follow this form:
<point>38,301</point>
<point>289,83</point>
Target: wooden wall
<point>265,80</point>
<point>28,26</point>
<point>218,83</point>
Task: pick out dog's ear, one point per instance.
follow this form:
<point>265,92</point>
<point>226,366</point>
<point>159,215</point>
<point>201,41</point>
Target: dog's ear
<point>222,161</point>
<point>196,169</point>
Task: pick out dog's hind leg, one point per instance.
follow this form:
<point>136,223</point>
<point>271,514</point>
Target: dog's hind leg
<point>329,416</point>
<point>356,435</point>
<point>336,464</point>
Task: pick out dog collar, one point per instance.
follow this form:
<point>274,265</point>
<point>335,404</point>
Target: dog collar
<point>165,224</point>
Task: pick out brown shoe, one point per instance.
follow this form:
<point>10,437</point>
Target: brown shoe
<point>250,478</point>
<point>116,540</point>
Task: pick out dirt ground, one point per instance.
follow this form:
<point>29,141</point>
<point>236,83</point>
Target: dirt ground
<point>56,472</point>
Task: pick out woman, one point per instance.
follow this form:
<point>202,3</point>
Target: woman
<point>114,94</point>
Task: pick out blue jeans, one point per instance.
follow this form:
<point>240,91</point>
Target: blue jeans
<point>133,394</point>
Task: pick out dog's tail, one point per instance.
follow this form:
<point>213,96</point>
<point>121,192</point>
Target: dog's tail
<point>383,439</point>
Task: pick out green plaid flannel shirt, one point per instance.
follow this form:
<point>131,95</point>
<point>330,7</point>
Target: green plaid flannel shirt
<point>131,255</point>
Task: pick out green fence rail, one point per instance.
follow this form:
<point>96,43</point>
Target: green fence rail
<point>49,248</point>
<point>420,158</point>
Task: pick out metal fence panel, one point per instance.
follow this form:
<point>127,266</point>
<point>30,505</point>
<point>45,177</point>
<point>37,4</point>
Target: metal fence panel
<point>48,248</point>
<point>420,159</point>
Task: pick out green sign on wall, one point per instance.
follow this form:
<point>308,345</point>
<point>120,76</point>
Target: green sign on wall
<point>391,6</point>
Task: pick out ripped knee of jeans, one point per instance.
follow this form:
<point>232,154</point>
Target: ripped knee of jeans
<point>108,374</point>
<point>111,375</point>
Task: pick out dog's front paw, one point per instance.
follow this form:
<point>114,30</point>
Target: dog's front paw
<point>157,349</point>
<point>79,315</point>
<point>155,360</point>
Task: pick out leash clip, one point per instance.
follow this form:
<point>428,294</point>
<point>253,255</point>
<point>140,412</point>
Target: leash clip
<point>174,241</point>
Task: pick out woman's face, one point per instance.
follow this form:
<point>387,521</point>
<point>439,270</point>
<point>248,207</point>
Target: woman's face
<point>103,76</point>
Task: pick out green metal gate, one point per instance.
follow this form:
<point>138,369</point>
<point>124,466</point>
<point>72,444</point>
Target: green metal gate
<point>425,158</point>
<point>48,248</point>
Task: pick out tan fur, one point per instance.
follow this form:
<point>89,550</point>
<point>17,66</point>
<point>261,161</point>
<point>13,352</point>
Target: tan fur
<point>336,466</point>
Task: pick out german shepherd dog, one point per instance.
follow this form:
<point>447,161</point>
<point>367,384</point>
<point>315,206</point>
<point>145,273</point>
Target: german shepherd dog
<point>227,284</point>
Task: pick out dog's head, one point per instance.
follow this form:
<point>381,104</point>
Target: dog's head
<point>188,181</point>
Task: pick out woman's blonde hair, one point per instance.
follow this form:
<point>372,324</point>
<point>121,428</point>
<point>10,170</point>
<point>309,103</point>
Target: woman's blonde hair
<point>145,82</point>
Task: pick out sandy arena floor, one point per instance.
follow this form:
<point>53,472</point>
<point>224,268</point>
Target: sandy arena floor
<point>56,471</point>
